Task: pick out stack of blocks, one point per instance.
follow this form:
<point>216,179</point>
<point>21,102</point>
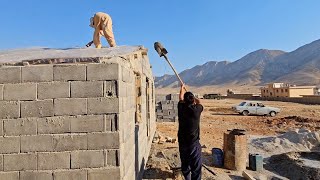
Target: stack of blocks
<point>167,110</point>
<point>73,121</point>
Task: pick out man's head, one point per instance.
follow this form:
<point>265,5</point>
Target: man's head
<point>188,97</point>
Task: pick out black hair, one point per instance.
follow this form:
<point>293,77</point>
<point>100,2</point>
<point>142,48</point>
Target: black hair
<point>188,97</point>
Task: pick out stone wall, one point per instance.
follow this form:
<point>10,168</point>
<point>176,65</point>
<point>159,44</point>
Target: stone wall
<point>76,121</point>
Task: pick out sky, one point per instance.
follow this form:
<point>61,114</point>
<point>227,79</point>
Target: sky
<point>193,32</point>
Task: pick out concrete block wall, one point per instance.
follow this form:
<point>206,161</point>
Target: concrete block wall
<point>135,138</point>
<point>49,128</point>
<point>72,121</point>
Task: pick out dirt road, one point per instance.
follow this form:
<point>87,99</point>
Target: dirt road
<point>217,118</point>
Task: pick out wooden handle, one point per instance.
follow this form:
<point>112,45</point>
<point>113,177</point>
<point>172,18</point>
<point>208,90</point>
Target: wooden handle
<point>175,72</point>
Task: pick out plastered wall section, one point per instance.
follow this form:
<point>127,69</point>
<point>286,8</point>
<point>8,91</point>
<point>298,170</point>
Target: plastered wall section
<point>72,121</point>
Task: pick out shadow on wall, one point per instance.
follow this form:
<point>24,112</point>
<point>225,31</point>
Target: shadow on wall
<point>139,168</point>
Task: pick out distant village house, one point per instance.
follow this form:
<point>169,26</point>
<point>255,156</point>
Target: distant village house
<point>286,90</point>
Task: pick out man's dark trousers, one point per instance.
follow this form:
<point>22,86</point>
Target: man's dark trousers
<point>191,161</point>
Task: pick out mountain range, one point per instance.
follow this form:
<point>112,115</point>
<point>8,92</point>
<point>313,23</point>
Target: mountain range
<point>300,67</point>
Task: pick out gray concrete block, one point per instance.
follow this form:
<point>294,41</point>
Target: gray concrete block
<point>38,73</point>
<point>1,92</point>
<point>86,89</point>
<point>9,175</point>
<point>1,163</point>
<point>103,72</point>
<point>1,127</point>
<point>52,161</point>
<point>83,124</point>
<point>23,91</point>
<point>70,175</point>
<point>38,143</point>
<point>105,174</point>
<point>20,162</point>
<point>122,87</point>
<point>9,109</point>
<point>52,90</point>
<point>69,142</point>
<point>73,106</point>
<point>87,159</point>
<point>9,145</point>
<point>74,72</point>
<point>113,157</point>
<point>36,175</point>
<point>103,105</point>
<point>111,122</point>
<point>103,141</point>
<point>41,108</point>
<point>10,75</point>
<point>54,125</point>
<point>17,127</point>
<point>127,75</point>
<point>110,89</point>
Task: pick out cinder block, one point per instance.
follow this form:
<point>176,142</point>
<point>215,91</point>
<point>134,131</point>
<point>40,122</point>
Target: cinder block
<point>103,72</point>
<point>1,127</point>
<point>113,157</point>
<point>86,89</point>
<point>9,175</point>
<point>19,162</point>
<point>54,125</point>
<point>9,109</point>
<point>84,124</point>
<point>10,75</point>
<point>52,161</point>
<point>1,92</point>
<point>74,72</point>
<point>110,89</point>
<point>111,122</point>
<point>74,106</point>
<point>36,175</point>
<point>87,159</point>
<point>69,142</point>
<point>105,174</point>
<point>103,141</point>
<point>42,108</point>
<point>1,163</point>
<point>24,91</point>
<point>127,75</point>
<point>52,90</point>
<point>103,105</point>
<point>70,175</point>
<point>38,73</point>
<point>122,87</point>
<point>17,127</point>
<point>9,145</point>
<point>39,143</point>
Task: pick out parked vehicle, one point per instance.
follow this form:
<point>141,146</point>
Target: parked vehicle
<point>212,96</point>
<point>255,108</point>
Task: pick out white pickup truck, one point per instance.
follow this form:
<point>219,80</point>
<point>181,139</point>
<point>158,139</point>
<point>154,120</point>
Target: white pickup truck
<point>255,108</point>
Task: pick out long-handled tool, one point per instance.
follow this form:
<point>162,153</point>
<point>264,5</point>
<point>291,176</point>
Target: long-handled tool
<point>163,52</point>
<point>89,44</point>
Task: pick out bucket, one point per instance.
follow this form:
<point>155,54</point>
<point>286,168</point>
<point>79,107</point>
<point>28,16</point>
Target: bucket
<point>217,157</point>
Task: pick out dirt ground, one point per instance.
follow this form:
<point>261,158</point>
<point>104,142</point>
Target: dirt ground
<point>216,119</point>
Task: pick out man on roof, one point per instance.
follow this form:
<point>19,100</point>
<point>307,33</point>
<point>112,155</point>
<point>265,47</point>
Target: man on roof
<point>102,24</point>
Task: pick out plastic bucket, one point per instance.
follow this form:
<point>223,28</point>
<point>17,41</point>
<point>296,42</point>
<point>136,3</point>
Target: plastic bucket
<point>217,157</point>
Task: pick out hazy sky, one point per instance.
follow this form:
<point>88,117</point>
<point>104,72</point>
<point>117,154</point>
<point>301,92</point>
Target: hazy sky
<point>193,32</point>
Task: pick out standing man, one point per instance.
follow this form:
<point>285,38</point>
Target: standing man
<point>189,112</point>
<point>102,24</point>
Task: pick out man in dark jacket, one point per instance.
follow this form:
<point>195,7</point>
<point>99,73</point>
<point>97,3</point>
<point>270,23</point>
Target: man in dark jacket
<point>189,112</point>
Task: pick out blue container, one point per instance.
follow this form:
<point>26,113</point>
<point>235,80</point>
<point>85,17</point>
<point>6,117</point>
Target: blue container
<point>217,156</point>
<point>255,162</point>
